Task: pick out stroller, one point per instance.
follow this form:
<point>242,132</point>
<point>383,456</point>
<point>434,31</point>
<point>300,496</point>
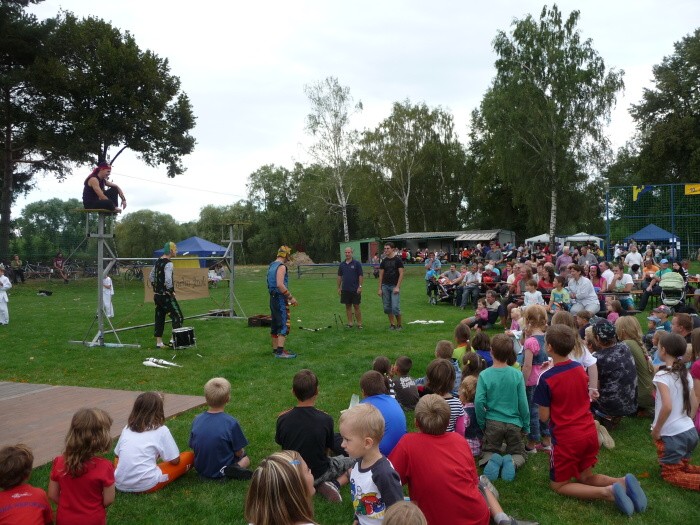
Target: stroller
<point>672,287</point>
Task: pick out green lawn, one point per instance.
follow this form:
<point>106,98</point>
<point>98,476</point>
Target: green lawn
<point>35,349</point>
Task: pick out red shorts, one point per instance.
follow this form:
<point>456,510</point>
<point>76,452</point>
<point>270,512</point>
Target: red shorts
<point>571,457</point>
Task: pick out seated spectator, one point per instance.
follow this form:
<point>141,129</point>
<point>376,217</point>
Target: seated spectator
<point>309,431</point>
<point>374,392</point>
<point>404,384</point>
<point>617,377</point>
<point>281,490</point>
<point>582,293</point>
<point>629,332</point>
<point>622,285</point>
<point>382,365</point>
<point>19,501</point>
<point>652,286</point>
<point>422,457</point>
<point>216,437</point>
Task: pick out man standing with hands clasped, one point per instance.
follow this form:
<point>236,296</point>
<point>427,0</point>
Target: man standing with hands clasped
<point>350,287</point>
<point>280,299</point>
<point>390,277</point>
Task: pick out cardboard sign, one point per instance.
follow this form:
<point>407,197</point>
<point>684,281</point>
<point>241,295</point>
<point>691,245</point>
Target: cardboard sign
<point>190,283</point>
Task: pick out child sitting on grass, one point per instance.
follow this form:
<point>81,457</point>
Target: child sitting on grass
<point>374,484</point>
<point>502,412</point>
<point>532,295</point>
<point>474,364</point>
<point>482,346</point>
<point>216,437</point>
<point>564,404</point>
<point>404,385</point>
<point>422,458</point>
<point>82,482</point>
<point>19,501</point>
<point>143,441</point>
<point>462,335</point>
<point>382,365</point>
<point>613,309</point>
<point>309,431</point>
<point>440,380</point>
<point>443,350</point>
<point>673,429</point>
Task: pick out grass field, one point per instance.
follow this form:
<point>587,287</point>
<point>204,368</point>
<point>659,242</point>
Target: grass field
<point>35,348</point>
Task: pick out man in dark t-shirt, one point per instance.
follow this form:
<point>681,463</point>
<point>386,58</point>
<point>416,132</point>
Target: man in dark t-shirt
<point>390,277</point>
<point>350,287</point>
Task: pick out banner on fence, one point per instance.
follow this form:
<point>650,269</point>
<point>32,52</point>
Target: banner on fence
<point>190,283</point>
<point>692,189</point>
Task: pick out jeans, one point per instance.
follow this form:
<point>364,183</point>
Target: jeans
<point>537,428</point>
<point>470,295</point>
<point>390,300</point>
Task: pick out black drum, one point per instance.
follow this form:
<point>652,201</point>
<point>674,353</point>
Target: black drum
<point>184,337</point>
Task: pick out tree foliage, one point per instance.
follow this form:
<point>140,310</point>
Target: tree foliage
<point>82,91</point>
<point>334,149</point>
<point>545,113</point>
<point>140,233</point>
<point>668,118</point>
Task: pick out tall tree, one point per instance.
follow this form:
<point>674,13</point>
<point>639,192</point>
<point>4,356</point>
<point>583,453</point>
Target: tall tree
<point>407,145</point>
<point>547,108</point>
<point>329,123</point>
<point>91,93</point>
<point>668,118</point>
<point>23,152</point>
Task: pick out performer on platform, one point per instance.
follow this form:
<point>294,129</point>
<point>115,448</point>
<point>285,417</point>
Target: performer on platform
<point>161,279</point>
<point>96,197</point>
<point>280,299</point>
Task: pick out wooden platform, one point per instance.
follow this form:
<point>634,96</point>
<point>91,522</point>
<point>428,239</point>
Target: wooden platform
<point>39,415</point>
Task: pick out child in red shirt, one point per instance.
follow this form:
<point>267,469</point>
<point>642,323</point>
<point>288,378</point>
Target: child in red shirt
<point>82,483</point>
<point>563,399</point>
<point>20,503</point>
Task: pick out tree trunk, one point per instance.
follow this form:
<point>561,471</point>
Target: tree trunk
<point>346,231</point>
<point>405,214</point>
<point>553,220</point>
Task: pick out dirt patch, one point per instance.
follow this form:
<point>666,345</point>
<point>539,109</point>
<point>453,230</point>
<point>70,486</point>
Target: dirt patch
<point>300,258</point>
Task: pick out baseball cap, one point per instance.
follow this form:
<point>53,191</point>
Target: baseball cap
<point>664,261</point>
<point>654,319</point>
<point>663,309</point>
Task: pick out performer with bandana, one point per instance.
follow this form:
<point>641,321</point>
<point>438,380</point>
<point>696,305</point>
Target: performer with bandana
<point>96,197</point>
<point>161,279</point>
<point>280,299</point>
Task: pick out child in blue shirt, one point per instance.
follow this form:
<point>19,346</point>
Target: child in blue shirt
<point>217,439</point>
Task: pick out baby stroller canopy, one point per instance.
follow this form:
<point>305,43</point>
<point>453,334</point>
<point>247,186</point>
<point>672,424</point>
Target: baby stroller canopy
<point>672,287</point>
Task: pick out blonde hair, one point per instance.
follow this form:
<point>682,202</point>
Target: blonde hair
<point>432,414</point>
<point>365,420</point>
<point>217,392</point>
<point>404,513</point>
<point>627,328</point>
<point>467,389</point>
<point>278,492</point>
<point>87,436</point>
<point>535,317</point>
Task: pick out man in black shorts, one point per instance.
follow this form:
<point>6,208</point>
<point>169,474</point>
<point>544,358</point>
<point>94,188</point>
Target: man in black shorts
<point>350,287</point>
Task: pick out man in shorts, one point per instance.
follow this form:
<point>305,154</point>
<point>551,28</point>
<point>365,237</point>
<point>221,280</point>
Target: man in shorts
<point>350,287</point>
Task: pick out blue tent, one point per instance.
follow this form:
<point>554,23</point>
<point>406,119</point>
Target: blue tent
<point>197,247</point>
<point>651,232</point>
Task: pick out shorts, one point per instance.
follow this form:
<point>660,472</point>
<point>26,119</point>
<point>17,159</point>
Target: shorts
<point>348,297</point>
<point>571,457</point>
<point>338,466</point>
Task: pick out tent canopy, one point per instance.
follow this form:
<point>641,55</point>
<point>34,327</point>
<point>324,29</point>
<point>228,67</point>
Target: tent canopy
<point>651,232</point>
<point>197,247</point>
<point>583,237</point>
<point>541,238</point>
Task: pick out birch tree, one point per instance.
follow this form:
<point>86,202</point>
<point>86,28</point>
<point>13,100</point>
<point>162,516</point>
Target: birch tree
<point>335,146</point>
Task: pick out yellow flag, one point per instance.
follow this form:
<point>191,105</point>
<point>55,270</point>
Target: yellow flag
<point>638,190</point>
<point>692,189</point>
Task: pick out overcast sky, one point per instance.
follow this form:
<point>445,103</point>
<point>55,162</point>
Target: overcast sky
<point>244,66</point>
